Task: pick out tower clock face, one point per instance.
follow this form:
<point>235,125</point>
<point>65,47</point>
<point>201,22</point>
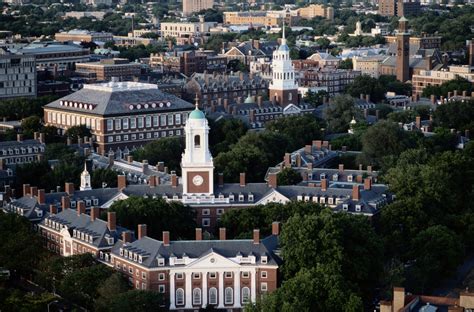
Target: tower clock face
<point>198,180</point>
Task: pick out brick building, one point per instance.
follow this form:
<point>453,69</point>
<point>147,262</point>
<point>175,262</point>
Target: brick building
<point>120,114</point>
<point>105,69</point>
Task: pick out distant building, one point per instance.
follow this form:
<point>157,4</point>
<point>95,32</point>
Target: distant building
<point>17,75</point>
<point>325,60</point>
<point>125,41</point>
<point>334,80</point>
<point>187,62</point>
<point>399,7</point>
<point>249,51</point>
<point>97,2</point>
<point>98,15</point>
<point>426,78</point>
<point>403,51</point>
<point>314,10</point>
<point>108,68</point>
<point>194,6</point>
<point>83,36</point>
<point>120,114</point>
<point>369,65</point>
<point>186,32</point>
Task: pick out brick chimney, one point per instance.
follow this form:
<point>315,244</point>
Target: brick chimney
<point>367,184</point>
<point>111,221</point>
<point>81,207</point>
<point>198,234</point>
<point>166,238</point>
<point>130,159</point>
<point>19,137</point>
<point>174,179</point>
<point>152,181</point>
<point>127,237</point>
<point>369,169</point>
<point>121,182</point>
<point>53,209</point>
<point>95,212</point>
<point>298,160</point>
<point>275,228</point>
<point>287,160</point>
<point>308,149</point>
<point>41,138</point>
<point>33,191</point>
<point>324,185</point>
<point>141,231</point>
<point>318,144</point>
<point>355,192</point>
<point>256,236</point>
<point>398,298</point>
<point>222,234</point>
<point>341,168</point>
<point>242,179</point>
<point>26,189</point>
<point>272,180</point>
<point>220,179</point>
<point>161,166</point>
<point>65,202</point>
<point>41,197</point>
<point>69,188</point>
<point>418,122</point>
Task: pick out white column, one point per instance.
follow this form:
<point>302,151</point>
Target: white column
<point>221,291</point>
<point>204,289</point>
<point>189,291</point>
<point>237,289</point>
<point>172,293</point>
<point>253,286</point>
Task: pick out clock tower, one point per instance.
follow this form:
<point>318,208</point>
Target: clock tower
<point>196,164</point>
<point>403,51</point>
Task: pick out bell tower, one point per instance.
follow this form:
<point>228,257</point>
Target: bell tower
<point>197,164</point>
<point>283,89</point>
<point>85,179</point>
<point>403,51</point>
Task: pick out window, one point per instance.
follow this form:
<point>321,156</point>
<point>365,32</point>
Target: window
<point>110,125</point>
<point>206,222</point>
<point>212,275</point>
<point>263,287</point>
<point>206,212</point>
<point>143,286</point>
<point>245,295</point>
<point>163,120</point>
<point>212,295</point>
<point>196,296</point>
<point>140,122</point>
<point>197,141</point>
<point>228,274</point>
<point>161,276</point>
<point>264,260</point>
<point>220,211</point>
<point>179,296</point>
<point>179,275</point>
<point>245,274</point>
<point>130,270</point>
<point>133,123</point>
<point>263,274</point>
<point>148,121</point>
<point>118,124</point>
<point>196,275</point>
<point>125,123</point>
<point>161,262</point>
<point>155,121</point>
<point>170,120</point>
<point>161,289</point>
<point>144,275</point>
<point>177,118</point>
<point>229,295</point>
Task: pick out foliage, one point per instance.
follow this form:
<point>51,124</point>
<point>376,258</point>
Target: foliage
<point>12,300</point>
<point>137,301</point>
<point>456,115</point>
<point>29,125</point>
<point>224,133</point>
<point>115,285</point>
<point>377,88</point>
<point>315,98</point>
<point>288,176</point>
<point>168,150</point>
<point>158,215</point>
<point>215,42</point>
<point>346,64</point>
<point>103,176</point>
<point>76,132</point>
<point>340,112</point>
<point>17,109</point>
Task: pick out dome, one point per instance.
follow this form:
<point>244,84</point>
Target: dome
<point>283,47</point>
<point>197,114</point>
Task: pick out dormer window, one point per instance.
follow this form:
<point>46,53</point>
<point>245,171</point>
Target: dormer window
<point>90,239</point>
<point>264,260</point>
<point>322,176</point>
<point>140,259</point>
<point>231,197</point>
<point>161,262</point>
<point>88,202</point>
<point>73,204</point>
<point>96,202</point>
<point>135,257</point>
<point>335,177</point>
<point>130,255</point>
<point>250,197</point>
<point>121,251</point>
<point>241,197</point>
<point>345,207</point>
<point>349,178</point>
<point>358,207</point>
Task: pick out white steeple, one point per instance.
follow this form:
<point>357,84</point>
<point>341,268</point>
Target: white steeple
<point>282,67</point>
<point>197,164</point>
<point>85,179</point>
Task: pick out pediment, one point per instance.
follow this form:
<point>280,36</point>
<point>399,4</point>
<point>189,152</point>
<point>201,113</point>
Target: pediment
<point>213,260</point>
<point>273,197</point>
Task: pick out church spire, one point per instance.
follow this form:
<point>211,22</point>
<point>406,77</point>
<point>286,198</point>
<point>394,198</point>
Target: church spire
<point>85,179</point>
<point>283,38</point>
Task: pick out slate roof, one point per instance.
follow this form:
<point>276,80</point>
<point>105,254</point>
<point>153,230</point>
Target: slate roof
<point>115,98</point>
<point>20,144</point>
<point>151,249</point>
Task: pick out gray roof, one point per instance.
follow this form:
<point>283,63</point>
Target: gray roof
<point>19,144</point>
<point>151,249</point>
<point>117,98</point>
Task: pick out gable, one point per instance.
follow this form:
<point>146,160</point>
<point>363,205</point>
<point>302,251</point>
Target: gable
<point>213,260</point>
<point>119,196</point>
<point>273,197</point>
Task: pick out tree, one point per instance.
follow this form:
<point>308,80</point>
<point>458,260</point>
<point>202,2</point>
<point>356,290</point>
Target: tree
<point>224,133</point>
<point>158,215</point>
<point>115,285</point>
<point>315,98</point>
<point>288,176</point>
<point>366,85</point>
<point>340,112</point>
<point>455,115</point>
<point>346,64</point>
<point>138,301</point>
<point>459,83</point>
<point>323,43</point>
<point>168,150</point>
<point>104,175</point>
<point>29,125</point>
<point>75,132</point>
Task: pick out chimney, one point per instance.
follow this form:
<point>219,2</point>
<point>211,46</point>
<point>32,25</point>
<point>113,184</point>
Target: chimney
<point>369,169</point>
<point>65,202</point>
<point>174,179</point>
<point>144,165</point>
<point>95,212</point>
<point>33,191</point>
<point>111,158</point>
<point>367,98</point>
<point>152,181</point>
<point>433,99</point>
<point>121,182</point>
<point>287,160</point>
<point>166,238</point>
<point>87,151</point>
<point>324,185</point>
<point>81,207</point>
<point>79,141</point>
<point>259,101</point>
<point>53,209</point>
<point>275,228</point>
<point>308,149</point>
<point>41,197</point>
<point>222,233</point>
<point>26,189</point>
<point>19,137</point>
<point>141,231</point>
<point>360,167</point>
<point>69,188</point>
<point>367,184</point>
<point>161,166</point>
<point>35,135</point>
<point>298,160</point>
<point>272,180</point>
<point>377,114</point>
<point>355,192</point>
<point>130,159</point>
<point>242,179</point>
<point>42,139</point>
<point>127,237</point>
<point>220,179</point>
<point>256,237</point>
<point>111,221</point>
<point>341,168</point>
<point>318,144</point>
<point>198,234</point>
<point>466,133</point>
<point>418,122</point>
<point>68,141</point>
<point>361,96</point>
<point>398,298</point>
<point>464,93</point>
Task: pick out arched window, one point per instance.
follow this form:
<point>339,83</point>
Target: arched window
<point>229,295</point>
<point>196,296</point>
<point>197,141</point>
<point>179,296</point>
<point>245,295</point>
<point>212,295</point>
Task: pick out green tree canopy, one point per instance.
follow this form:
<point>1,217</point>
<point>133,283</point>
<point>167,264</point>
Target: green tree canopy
<point>288,176</point>
<point>168,150</point>
<point>340,112</point>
